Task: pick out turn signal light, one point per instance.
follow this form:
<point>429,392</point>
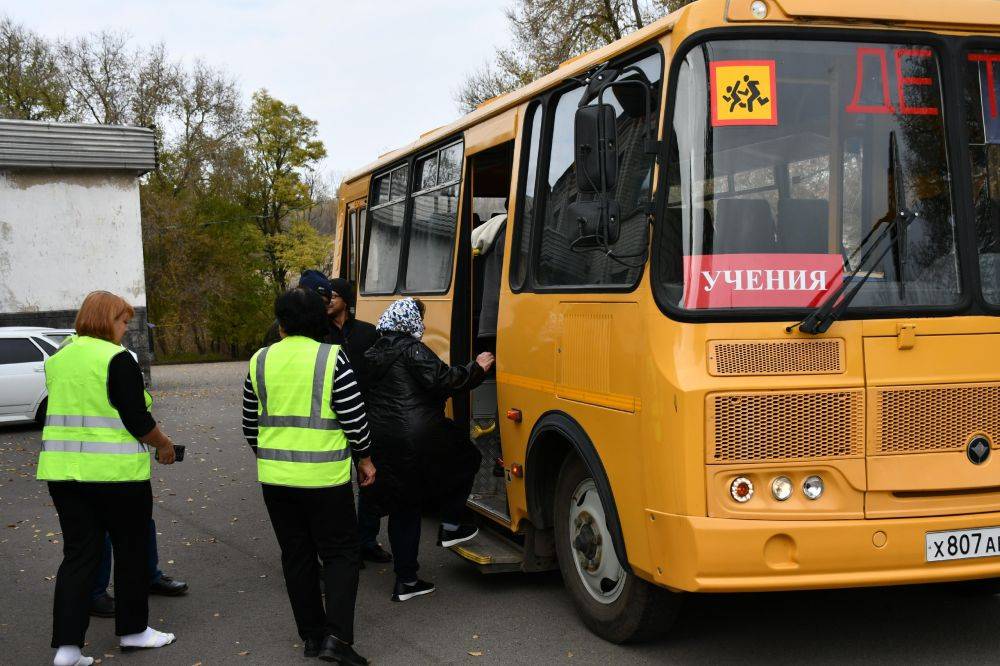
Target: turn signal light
<point>517,470</point>
<point>741,489</point>
<point>514,415</point>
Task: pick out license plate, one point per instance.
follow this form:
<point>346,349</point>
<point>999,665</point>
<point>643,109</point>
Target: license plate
<point>962,544</point>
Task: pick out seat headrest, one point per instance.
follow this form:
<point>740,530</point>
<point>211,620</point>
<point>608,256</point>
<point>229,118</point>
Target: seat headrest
<point>804,225</point>
<point>743,226</point>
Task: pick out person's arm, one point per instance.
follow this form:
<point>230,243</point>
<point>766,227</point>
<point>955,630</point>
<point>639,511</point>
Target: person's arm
<point>126,392</point>
<point>435,375</point>
<point>349,406</point>
<point>250,414</point>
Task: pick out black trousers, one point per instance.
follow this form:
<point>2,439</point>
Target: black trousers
<point>311,523</point>
<point>462,463</point>
<point>86,512</point>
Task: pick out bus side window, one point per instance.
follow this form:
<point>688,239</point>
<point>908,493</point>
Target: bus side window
<point>385,239</point>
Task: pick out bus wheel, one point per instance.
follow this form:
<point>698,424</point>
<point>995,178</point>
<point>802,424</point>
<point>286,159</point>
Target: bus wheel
<point>614,604</point>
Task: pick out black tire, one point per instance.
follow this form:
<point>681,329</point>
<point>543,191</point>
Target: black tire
<point>42,410</point>
<point>640,612</point>
<point>986,587</point>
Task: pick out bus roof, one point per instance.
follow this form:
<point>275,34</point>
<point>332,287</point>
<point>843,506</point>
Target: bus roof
<point>954,15</point>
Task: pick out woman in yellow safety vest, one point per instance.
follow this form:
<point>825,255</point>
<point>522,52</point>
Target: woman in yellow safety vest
<point>95,457</point>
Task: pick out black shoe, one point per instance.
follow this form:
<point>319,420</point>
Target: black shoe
<point>404,592</point>
<point>376,553</point>
<point>449,538</point>
<point>103,606</point>
<point>168,587</point>
<point>312,647</point>
<point>340,652</point>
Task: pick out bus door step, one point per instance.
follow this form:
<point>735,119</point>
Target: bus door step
<point>491,552</point>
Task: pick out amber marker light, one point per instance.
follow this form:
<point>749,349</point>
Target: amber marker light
<point>517,470</point>
<point>514,415</point>
<point>741,489</point>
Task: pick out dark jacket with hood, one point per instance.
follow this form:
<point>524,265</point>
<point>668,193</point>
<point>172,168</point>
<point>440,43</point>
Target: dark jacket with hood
<point>408,388</point>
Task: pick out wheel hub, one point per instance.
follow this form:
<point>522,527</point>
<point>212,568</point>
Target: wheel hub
<point>594,557</point>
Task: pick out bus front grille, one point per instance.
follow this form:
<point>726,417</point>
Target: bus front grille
<point>925,419</point>
<point>785,426</point>
<point>748,358</point>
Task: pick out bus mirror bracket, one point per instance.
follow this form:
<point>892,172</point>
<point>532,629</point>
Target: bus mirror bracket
<point>598,223</point>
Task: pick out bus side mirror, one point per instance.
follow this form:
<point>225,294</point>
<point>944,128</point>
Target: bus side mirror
<point>595,148</point>
<point>598,223</point>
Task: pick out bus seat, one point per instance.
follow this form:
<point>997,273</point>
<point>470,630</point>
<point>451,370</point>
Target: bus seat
<point>804,225</point>
<point>743,226</point>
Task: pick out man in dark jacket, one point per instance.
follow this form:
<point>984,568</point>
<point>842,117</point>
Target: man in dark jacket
<point>356,337</point>
<point>423,454</point>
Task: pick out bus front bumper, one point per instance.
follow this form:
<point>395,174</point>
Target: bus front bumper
<point>731,555</point>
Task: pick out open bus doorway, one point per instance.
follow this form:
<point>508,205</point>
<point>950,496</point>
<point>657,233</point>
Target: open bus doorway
<point>484,228</point>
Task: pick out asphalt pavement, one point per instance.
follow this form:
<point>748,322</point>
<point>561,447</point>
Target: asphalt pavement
<point>214,534</point>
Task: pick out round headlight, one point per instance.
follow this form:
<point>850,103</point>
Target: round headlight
<point>759,9</point>
<point>812,487</point>
<point>741,489</point>
<point>781,488</point>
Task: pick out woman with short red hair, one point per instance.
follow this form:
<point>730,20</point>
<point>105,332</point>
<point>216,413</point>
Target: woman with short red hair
<point>95,457</point>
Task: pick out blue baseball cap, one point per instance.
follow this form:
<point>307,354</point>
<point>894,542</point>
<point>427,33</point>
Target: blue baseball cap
<point>317,282</point>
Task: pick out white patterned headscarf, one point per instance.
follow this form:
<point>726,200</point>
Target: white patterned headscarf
<point>403,316</point>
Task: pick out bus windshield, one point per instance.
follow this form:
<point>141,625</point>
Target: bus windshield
<point>787,157</point>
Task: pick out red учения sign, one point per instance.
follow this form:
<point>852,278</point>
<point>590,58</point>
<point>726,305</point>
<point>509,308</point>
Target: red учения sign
<point>760,280</point>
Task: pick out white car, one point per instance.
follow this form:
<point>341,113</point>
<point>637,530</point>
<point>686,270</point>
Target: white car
<point>23,351</point>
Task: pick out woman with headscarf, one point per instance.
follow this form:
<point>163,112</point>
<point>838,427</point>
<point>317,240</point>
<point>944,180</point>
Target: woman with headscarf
<point>422,454</point>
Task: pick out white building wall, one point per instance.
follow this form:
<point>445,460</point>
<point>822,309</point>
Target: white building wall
<point>65,234</point>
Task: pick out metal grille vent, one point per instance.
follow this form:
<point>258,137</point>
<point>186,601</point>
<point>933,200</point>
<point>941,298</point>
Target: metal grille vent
<point>735,358</point>
<point>933,418</point>
<point>802,425</point>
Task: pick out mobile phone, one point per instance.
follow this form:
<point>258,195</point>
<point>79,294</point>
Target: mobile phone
<point>178,453</point>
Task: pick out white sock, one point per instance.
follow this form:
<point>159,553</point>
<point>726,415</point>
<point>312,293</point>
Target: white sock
<point>451,527</point>
<point>151,638</point>
<point>69,655</point>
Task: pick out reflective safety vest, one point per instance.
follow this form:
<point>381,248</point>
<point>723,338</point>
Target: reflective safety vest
<point>299,441</point>
<point>84,438</point>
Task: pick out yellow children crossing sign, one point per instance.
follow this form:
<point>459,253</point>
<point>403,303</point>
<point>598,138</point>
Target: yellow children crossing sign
<point>744,92</point>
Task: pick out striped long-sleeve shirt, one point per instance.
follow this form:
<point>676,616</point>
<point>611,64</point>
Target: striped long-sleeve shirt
<point>345,399</point>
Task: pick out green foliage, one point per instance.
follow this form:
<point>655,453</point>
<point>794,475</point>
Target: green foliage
<point>300,247</point>
<point>32,87</point>
<point>281,151</point>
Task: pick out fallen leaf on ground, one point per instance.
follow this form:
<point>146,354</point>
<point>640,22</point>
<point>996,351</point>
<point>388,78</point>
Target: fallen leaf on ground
<point>475,653</point>
<point>243,653</point>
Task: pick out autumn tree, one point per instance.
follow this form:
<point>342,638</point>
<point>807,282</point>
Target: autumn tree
<point>281,149</point>
<point>548,32</point>
<point>32,85</point>
<point>113,83</point>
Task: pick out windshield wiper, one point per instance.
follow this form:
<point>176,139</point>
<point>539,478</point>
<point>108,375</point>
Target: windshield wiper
<point>894,224</point>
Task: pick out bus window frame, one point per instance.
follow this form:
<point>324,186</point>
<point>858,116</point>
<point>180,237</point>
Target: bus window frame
<point>966,46</point>
<point>408,221</point>
<point>946,50</point>
<point>547,102</point>
<point>363,271</point>
<point>536,105</point>
<point>409,161</point>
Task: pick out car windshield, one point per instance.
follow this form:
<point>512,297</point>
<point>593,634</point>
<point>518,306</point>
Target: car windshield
<point>785,157</point>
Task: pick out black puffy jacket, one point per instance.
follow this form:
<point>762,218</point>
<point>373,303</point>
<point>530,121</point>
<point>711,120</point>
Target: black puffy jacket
<point>409,385</point>
<point>408,388</point>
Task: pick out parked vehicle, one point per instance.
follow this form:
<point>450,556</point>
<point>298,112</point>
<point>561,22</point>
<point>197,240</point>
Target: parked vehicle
<point>23,351</point>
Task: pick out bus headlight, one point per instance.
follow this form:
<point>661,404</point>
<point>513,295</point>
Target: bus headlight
<point>759,9</point>
<point>812,487</point>
<point>781,488</point>
<point>741,489</point>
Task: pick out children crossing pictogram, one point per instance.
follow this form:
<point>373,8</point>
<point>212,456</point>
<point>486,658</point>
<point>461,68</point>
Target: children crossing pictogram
<point>743,92</point>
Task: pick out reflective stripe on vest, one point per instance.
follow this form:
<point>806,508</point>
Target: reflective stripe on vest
<point>84,438</point>
<point>94,447</point>
<point>300,442</point>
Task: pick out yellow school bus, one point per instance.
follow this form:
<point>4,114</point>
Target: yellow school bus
<point>741,272</point>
